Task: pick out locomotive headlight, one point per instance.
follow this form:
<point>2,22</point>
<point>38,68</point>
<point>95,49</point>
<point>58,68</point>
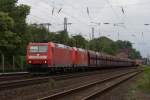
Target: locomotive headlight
<point>30,61</point>
<point>45,62</point>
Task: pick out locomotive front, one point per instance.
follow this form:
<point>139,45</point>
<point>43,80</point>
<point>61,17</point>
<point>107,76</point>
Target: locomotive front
<point>38,55</point>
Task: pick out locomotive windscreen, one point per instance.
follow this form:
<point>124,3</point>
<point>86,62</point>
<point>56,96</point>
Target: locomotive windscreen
<point>38,49</point>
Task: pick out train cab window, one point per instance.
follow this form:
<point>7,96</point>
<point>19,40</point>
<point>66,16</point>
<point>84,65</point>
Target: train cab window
<point>38,49</point>
<point>33,49</point>
<point>43,48</point>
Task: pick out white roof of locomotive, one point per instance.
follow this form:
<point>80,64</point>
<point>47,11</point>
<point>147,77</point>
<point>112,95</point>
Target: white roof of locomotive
<point>61,45</point>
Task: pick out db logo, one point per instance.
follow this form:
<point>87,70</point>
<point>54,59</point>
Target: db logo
<point>37,54</point>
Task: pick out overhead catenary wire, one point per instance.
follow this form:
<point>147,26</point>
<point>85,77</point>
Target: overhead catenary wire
<point>117,17</point>
<point>125,16</point>
<point>65,14</point>
<point>75,18</point>
<point>71,16</point>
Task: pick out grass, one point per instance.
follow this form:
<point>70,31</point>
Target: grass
<point>51,83</point>
<point>141,87</point>
<point>144,82</point>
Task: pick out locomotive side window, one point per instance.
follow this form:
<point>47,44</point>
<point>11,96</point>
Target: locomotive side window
<point>38,49</point>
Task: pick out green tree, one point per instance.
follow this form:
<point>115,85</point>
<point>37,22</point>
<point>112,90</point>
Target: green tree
<point>61,37</point>
<point>134,54</point>
<point>36,34</point>
<point>72,42</point>
<point>17,12</point>
<point>16,16</point>
<point>9,41</point>
<point>103,44</point>
<point>6,22</point>
<point>79,41</point>
<point>123,44</point>
<point>7,5</point>
<point>19,15</point>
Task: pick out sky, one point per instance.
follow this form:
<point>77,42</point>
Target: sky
<point>126,18</point>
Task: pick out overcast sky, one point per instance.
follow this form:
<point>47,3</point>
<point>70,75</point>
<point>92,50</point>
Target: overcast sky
<point>133,13</point>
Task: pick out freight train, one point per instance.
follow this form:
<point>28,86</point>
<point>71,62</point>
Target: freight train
<point>53,56</point>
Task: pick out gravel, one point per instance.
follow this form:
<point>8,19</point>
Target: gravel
<point>33,92</point>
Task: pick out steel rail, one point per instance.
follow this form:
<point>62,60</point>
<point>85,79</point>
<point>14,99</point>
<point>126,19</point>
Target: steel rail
<point>76,89</point>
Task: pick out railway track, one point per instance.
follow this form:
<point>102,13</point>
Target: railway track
<point>13,76</point>
<point>90,90</point>
<point>12,73</point>
<point>7,82</point>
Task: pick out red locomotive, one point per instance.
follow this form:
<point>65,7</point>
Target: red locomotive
<point>52,56</point>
